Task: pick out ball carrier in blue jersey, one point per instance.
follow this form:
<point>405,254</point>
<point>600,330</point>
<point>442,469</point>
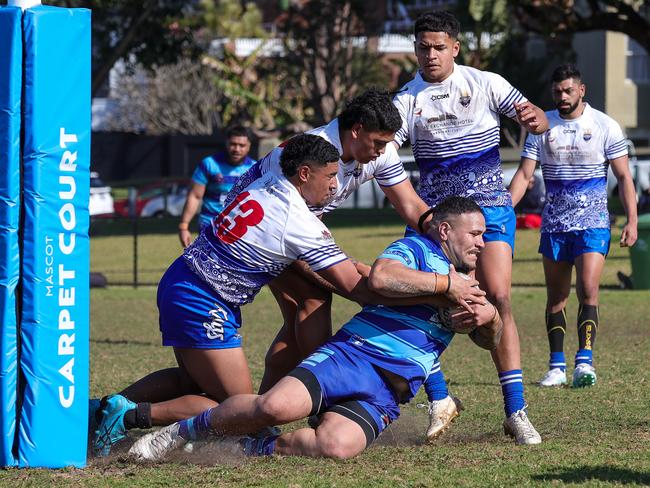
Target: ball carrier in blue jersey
<point>213,179</point>
<point>261,232</point>
<point>451,113</point>
<point>379,359</point>
<point>575,154</point>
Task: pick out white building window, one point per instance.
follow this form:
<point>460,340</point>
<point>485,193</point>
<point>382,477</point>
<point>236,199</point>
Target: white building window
<point>638,62</point>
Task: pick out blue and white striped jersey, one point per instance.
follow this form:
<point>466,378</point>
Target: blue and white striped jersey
<point>387,169</point>
<point>574,156</point>
<point>454,128</point>
<point>404,340</point>
<point>263,230</point>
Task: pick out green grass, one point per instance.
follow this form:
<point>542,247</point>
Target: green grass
<point>593,437</point>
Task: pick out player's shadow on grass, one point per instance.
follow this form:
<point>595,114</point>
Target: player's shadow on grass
<point>596,473</point>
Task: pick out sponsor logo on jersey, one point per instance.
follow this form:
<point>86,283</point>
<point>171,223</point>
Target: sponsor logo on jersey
<point>569,131</point>
<point>441,117</point>
<point>586,134</point>
<point>356,172</point>
<point>439,97</point>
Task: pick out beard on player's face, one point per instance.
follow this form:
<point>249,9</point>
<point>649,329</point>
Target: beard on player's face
<point>566,108</point>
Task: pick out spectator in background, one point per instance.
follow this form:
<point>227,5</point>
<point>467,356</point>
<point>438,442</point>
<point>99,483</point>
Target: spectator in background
<point>213,179</point>
<point>529,209</point>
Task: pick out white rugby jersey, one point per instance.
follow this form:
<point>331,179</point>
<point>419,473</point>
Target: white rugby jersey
<point>386,169</point>
<point>454,127</point>
<point>574,156</point>
<point>263,230</point>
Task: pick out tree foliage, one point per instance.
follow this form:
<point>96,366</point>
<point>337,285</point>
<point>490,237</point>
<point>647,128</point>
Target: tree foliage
<point>150,33</point>
<point>552,17</point>
<point>326,66</point>
<point>176,98</point>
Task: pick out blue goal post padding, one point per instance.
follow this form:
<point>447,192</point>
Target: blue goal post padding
<point>11,65</point>
<point>54,330</point>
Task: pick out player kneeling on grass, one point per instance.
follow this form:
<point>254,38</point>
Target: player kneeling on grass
<point>379,359</point>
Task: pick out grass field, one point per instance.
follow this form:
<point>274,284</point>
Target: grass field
<point>594,437</point>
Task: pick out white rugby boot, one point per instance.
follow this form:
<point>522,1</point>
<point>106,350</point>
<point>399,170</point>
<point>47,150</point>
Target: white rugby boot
<point>156,445</point>
<point>519,427</point>
<point>584,375</point>
<point>553,377</point>
<point>441,414</point>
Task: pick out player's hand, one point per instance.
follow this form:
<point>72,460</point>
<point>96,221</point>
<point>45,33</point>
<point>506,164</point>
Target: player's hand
<point>185,236</point>
<point>463,321</point>
<point>363,268</point>
<point>528,117</point>
<point>463,291</point>
<point>629,235</point>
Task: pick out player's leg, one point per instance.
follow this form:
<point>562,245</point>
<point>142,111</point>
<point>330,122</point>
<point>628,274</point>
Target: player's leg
<point>307,324</point>
<point>287,401</point>
<point>494,273</point>
<point>591,248</point>
<point>335,437</point>
<point>557,252</point>
<point>442,407</point>
<point>204,332</point>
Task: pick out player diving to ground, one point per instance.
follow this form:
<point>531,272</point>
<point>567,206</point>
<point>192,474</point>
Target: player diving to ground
<point>379,359</point>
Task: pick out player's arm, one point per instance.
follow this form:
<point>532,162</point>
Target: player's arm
<point>627,194</point>
<point>521,178</point>
<point>391,278</point>
<point>531,117</point>
<point>406,201</point>
<point>192,204</point>
<point>350,284</point>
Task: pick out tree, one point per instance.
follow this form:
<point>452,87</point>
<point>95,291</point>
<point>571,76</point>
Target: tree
<point>176,98</point>
<point>325,64</point>
<point>552,17</point>
<point>150,33</point>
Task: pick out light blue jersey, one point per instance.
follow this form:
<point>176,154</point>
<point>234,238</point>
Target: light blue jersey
<point>405,340</point>
<point>218,177</point>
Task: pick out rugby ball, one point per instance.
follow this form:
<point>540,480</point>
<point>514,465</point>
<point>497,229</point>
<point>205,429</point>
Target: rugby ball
<point>445,315</point>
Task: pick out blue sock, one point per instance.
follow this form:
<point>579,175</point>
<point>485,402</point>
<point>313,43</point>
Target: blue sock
<point>584,356</point>
<point>557,361</point>
<point>258,446</point>
<point>435,385</point>
<point>197,427</point>
<point>512,387</point>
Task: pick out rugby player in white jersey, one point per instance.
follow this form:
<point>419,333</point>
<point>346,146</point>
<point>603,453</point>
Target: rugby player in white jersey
<point>575,154</point>
<point>378,360</point>
<point>450,114</point>
<point>258,234</point>
<point>362,134</point>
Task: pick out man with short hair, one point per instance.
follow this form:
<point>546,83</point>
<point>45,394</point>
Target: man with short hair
<point>362,134</point>
<point>213,179</point>
<point>450,114</point>
<point>574,155</point>
<point>260,232</point>
<point>379,359</point>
